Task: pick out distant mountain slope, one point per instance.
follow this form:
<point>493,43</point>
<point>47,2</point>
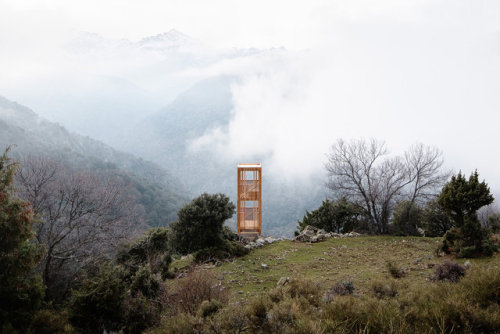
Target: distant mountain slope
<point>160,193</point>
<point>165,138</point>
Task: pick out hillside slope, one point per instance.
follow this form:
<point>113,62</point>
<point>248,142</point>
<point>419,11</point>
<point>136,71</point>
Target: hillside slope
<point>361,260</point>
<point>159,192</point>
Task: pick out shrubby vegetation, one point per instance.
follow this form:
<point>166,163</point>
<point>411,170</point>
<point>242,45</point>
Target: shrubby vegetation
<point>470,305</point>
<point>461,199</point>
<point>21,289</point>
<point>200,228</point>
<point>85,269</point>
<point>336,216</point>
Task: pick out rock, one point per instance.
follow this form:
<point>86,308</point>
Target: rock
<point>309,230</point>
<point>264,266</point>
<point>314,238</point>
<point>283,281</point>
<point>467,264</point>
<point>269,240</point>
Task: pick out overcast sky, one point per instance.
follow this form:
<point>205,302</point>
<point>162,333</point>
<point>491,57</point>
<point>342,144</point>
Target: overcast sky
<point>402,71</point>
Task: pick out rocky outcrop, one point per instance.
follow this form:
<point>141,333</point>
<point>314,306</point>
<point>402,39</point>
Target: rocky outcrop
<point>262,241</point>
<point>313,234</point>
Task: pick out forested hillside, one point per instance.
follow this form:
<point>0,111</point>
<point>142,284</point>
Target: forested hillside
<point>30,135</point>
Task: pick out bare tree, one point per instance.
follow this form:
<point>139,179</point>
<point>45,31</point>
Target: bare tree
<point>363,172</point>
<point>424,168</point>
<point>82,216</point>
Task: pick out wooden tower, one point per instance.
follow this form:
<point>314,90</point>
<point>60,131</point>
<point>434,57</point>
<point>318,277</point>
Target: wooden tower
<point>249,199</point>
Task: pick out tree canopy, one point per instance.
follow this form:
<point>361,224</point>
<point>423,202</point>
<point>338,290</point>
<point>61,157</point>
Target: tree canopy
<point>200,223</point>
<point>21,289</point>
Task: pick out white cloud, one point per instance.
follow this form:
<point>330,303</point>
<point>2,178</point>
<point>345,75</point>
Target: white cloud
<point>403,71</point>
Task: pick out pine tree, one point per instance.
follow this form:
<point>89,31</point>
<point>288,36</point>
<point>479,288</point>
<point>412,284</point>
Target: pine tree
<point>21,289</point>
<point>460,199</point>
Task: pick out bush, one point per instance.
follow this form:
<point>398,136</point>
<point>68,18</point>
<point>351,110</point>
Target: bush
<point>383,289</point>
<point>471,305</point>
<point>225,251</point>
<point>209,307</point>
<point>194,289</point>
<point>50,321</point>
<point>394,270</point>
<point>407,219</point>
<point>448,271</point>
<point>96,304</point>
<point>343,288</point>
<point>452,240</point>
<point>21,288</point>
<point>461,199</point>
<point>200,223</point>
<point>228,234</point>
<point>151,249</point>
<point>139,313</point>
<point>435,220</point>
<point>338,216</point>
<point>144,282</point>
<point>306,289</point>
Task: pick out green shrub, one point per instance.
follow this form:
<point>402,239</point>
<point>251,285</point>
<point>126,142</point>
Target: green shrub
<point>151,249</point>
<point>96,304</point>
<point>200,223</point>
<point>225,251</point>
<point>337,216</point>
<point>435,221</point>
<point>139,313</point>
<point>21,287</point>
<point>48,321</point>
<point>406,219</point>
<point>144,282</point>
<point>228,234</point>
<point>211,254</point>
<point>461,199</point>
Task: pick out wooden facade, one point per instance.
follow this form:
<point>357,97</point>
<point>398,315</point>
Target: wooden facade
<point>249,199</point>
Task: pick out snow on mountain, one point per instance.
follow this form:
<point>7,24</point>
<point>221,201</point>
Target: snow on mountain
<point>92,43</point>
<point>170,40</point>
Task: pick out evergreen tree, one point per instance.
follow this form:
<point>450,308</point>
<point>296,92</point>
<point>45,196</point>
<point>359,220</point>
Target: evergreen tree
<point>435,220</point>
<point>200,223</point>
<point>460,199</point>
<point>21,289</point>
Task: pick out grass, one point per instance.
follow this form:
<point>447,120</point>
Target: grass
<point>362,260</point>
<point>310,302</point>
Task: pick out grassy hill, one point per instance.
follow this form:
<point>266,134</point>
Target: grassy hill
<point>362,260</point>
<point>318,297</point>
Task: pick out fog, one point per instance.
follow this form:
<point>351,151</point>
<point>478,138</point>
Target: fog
<point>400,71</point>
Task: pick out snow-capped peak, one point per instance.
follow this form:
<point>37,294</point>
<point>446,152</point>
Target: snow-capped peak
<point>167,40</point>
